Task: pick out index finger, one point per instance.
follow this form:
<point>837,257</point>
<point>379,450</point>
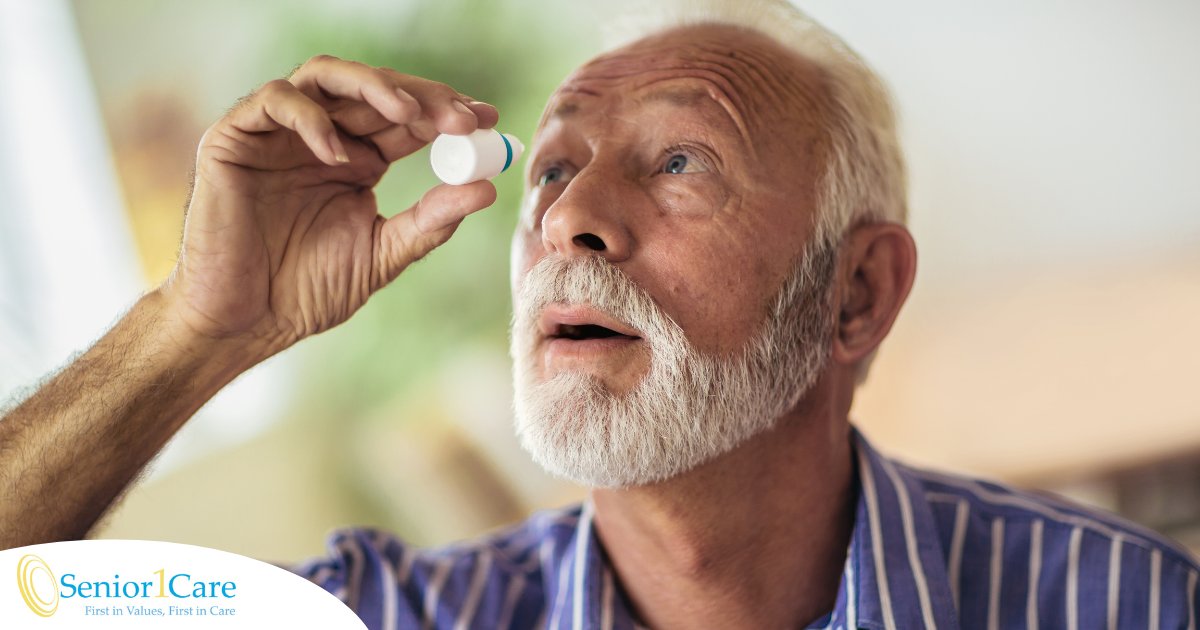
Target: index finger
<point>340,78</point>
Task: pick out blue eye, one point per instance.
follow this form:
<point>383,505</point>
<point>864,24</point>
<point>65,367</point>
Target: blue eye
<point>676,164</point>
<point>550,175</point>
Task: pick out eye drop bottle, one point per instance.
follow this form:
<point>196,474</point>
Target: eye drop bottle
<point>482,154</point>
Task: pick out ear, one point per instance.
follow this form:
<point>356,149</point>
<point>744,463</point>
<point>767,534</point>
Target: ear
<point>879,263</point>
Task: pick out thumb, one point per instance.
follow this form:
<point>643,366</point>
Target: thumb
<point>408,236</point>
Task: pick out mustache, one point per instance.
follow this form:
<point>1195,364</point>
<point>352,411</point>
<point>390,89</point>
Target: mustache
<point>593,281</point>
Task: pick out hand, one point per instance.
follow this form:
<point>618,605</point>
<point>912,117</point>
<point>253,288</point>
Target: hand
<point>283,238</point>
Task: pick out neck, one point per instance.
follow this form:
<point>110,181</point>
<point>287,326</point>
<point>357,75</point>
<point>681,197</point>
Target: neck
<point>756,538</point>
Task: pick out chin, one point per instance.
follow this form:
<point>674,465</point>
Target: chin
<point>578,429</point>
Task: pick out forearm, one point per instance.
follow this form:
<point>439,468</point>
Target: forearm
<point>71,449</point>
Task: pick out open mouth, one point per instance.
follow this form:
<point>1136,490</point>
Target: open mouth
<point>583,323</point>
<point>587,331</point>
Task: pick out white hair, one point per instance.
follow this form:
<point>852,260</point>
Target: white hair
<point>863,179</point>
<point>864,176</point>
<point>691,406</point>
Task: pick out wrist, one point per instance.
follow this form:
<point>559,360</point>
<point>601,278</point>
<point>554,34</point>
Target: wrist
<point>220,358</point>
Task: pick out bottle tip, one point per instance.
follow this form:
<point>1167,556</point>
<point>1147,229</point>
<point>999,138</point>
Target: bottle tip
<point>517,147</point>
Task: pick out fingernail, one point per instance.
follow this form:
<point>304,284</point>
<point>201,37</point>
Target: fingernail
<point>463,108</point>
<point>339,151</point>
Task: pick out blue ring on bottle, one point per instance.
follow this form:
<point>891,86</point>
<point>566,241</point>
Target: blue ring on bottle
<point>508,156</point>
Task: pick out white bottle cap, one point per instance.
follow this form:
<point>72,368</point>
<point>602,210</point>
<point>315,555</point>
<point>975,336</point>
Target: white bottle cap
<point>482,154</point>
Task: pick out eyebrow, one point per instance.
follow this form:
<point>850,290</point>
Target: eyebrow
<point>676,96</point>
<point>688,97</point>
<point>679,97</point>
<point>564,110</point>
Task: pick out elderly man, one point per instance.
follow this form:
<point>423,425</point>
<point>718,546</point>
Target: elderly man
<point>711,249</point>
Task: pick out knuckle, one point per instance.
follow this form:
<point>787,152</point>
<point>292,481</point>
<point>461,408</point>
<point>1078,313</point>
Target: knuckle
<point>322,59</point>
<point>372,74</point>
<point>390,73</point>
<point>216,143</point>
<point>275,88</point>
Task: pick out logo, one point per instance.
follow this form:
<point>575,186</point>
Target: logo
<point>39,592</point>
<point>107,583</point>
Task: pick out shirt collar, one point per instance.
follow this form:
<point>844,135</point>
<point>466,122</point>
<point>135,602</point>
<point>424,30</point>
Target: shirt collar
<point>895,574</point>
<point>895,561</point>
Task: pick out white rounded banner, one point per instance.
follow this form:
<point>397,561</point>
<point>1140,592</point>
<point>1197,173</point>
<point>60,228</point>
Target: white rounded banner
<point>148,584</point>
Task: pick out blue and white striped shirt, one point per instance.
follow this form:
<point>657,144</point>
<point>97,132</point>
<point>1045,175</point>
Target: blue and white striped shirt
<point>928,551</point>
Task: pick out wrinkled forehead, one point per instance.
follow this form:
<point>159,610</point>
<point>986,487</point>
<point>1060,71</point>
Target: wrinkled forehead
<point>769,90</point>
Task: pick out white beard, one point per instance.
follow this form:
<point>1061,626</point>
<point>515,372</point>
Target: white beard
<point>690,407</point>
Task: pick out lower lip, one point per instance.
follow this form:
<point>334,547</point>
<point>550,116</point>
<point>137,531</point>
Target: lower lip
<point>587,349</point>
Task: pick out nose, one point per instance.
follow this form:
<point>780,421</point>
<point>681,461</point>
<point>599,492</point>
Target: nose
<point>588,218</point>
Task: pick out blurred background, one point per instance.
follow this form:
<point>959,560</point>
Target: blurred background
<point>1052,340</point>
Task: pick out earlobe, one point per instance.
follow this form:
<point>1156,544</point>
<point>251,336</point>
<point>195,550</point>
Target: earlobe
<point>878,268</point>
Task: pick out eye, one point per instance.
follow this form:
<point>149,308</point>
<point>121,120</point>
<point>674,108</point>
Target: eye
<point>680,164</point>
<point>551,175</point>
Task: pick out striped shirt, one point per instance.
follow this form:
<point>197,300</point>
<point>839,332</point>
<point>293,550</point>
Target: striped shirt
<point>928,551</point>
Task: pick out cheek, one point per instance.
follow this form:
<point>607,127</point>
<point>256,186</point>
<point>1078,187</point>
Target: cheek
<point>717,295</point>
<point>689,195</point>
